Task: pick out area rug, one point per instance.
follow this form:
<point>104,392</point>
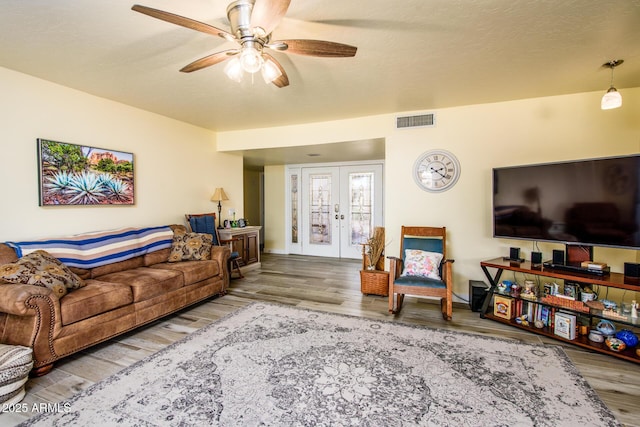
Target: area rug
<point>271,365</point>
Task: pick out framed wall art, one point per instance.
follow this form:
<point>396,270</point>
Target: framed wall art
<point>71,174</point>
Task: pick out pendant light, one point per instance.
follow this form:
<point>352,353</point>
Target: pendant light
<point>612,99</point>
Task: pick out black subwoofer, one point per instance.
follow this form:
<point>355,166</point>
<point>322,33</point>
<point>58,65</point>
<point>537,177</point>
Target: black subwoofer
<point>477,293</point>
<point>536,258</point>
<point>558,257</point>
<point>631,269</point>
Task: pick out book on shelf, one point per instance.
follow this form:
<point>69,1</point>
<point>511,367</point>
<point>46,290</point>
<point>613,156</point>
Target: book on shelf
<point>592,265</point>
<point>545,315</point>
<point>565,325</point>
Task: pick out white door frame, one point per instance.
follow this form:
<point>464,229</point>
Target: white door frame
<point>293,176</point>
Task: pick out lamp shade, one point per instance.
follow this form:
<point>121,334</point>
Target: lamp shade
<point>270,71</point>
<point>219,195</point>
<point>233,70</point>
<point>250,59</point>
<point>612,99</point>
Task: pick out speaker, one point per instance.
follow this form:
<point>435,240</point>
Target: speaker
<point>536,258</point>
<point>558,257</point>
<point>477,293</point>
<point>631,269</point>
<point>514,254</point>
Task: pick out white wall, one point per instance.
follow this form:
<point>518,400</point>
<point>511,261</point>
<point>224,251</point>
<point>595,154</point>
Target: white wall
<point>176,164</point>
<point>482,137</point>
<point>274,233</point>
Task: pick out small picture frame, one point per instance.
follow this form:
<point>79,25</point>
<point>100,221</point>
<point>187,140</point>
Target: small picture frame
<point>242,223</point>
<point>571,290</point>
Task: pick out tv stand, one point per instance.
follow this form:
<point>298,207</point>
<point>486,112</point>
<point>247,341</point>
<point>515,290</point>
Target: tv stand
<point>591,315</point>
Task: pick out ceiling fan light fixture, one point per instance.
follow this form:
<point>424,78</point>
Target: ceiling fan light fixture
<point>612,99</point>
<point>270,71</point>
<point>233,70</point>
<point>251,25</point>
<point>251,59</point>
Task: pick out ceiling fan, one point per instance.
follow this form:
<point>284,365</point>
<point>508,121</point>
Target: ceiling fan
<point>252,23</point>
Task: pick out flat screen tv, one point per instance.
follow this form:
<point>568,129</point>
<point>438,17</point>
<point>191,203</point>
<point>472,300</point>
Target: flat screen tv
<point>592,202</point>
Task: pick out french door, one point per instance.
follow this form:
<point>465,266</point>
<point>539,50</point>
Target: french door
<point>339,207</point>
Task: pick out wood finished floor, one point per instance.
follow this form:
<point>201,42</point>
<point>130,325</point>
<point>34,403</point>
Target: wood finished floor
<point>330,285</point>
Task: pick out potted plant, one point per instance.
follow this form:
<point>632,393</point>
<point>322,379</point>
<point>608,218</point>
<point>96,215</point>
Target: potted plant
<point>374,250</point>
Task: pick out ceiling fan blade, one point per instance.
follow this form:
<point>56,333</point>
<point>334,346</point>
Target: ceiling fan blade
<point>181,20</point>
<point>267,14</point>
<point>317,48</point>
<point>283,80</point>
<point>210,60</point>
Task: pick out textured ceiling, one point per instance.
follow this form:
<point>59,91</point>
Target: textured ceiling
<point>412,55</point>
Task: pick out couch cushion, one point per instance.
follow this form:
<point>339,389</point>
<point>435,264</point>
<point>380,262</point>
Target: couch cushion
<point>146,282</point>
<point>193,271</point>
<point>41,269</point>
<point>117,266</point>
<point>157,257</point>
<point>95,298</point>
<point>191,247</point>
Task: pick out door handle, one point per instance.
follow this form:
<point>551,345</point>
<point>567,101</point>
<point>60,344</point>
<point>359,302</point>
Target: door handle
<point>341,216</point>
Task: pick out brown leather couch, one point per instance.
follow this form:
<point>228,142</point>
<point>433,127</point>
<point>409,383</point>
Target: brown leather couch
<point>116,298</point>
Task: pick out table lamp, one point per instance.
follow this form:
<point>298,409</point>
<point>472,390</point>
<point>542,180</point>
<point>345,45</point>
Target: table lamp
<point>218,196</point>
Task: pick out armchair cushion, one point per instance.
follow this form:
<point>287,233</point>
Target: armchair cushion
<point>191,247</point>
<point>41,269</point>
<point>423,264</point>
<point>420,281</point>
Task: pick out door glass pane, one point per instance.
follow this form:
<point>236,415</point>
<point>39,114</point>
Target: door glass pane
<point>294,208</point>
<point>320,209</point>
<point>361,206</point>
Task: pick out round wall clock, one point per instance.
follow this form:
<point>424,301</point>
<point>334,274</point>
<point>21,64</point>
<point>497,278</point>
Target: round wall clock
<point>436,170</point>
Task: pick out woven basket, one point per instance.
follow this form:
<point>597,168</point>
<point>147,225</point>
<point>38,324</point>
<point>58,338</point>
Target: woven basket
<point>374,282</point>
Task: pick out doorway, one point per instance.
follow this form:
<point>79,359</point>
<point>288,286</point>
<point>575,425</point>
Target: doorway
<point>333,208</point>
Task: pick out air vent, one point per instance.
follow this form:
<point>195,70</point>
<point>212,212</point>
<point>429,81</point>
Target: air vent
<point>422,120</point>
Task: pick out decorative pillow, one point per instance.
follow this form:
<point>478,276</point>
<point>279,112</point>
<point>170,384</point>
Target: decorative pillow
<point>422,264</point>
<point>191,247</point>
<point>15,363</point>
<point>42,269</point>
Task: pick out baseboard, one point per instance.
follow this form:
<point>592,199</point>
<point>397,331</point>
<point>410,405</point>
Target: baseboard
<point>276,251</point>
<point>251,266</point>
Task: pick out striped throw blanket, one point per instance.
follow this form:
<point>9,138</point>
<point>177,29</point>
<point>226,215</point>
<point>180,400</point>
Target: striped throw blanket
<point>95,249</point>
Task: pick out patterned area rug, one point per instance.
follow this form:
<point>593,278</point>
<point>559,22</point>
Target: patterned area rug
<point>281,366</point>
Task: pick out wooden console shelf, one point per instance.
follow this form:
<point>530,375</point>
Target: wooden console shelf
<point>246,241</point>
<point>614,280</point>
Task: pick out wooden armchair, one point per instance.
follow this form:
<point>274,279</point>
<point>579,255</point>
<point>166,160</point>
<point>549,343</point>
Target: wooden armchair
<point>422,268</point>
<point>206,223</point>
